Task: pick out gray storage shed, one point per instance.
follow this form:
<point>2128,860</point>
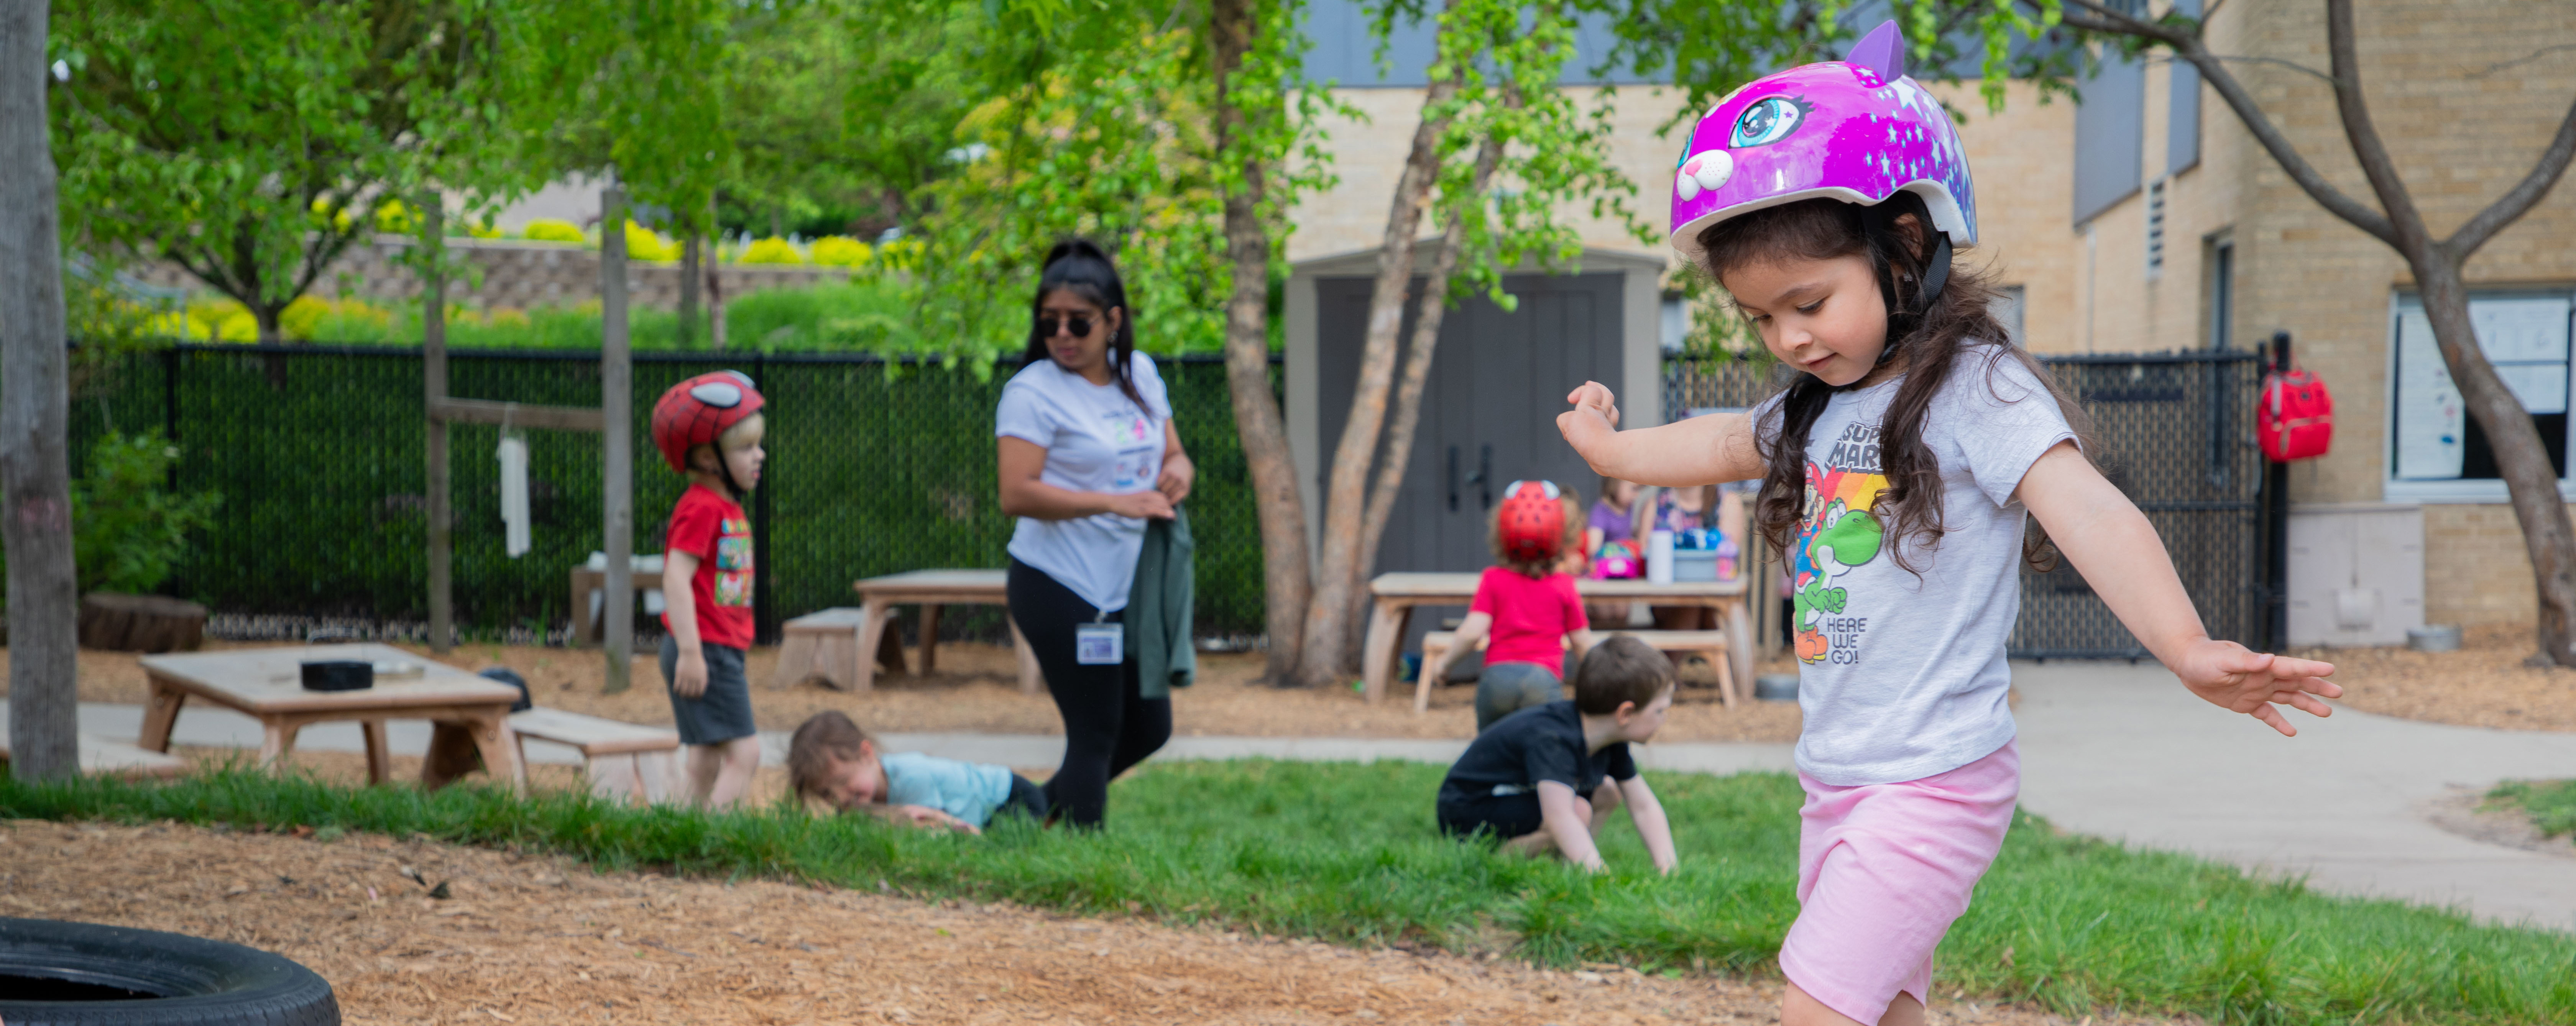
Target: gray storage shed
<point>1497,383</point>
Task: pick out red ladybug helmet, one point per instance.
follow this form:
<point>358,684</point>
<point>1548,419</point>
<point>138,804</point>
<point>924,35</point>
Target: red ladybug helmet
<point>1531,522</point>
<point>695,411</point>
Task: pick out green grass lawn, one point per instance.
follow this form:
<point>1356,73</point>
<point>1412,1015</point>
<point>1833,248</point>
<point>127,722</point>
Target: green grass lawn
<point>1348,853</point>
<point>2551,804</point>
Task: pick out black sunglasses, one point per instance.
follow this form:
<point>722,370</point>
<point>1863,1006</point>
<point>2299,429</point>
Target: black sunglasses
<point>1048,325</point>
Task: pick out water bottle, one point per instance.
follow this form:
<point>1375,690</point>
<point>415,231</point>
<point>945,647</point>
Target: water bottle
<point>1659,557</point>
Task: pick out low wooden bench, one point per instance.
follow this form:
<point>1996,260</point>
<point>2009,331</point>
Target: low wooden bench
<point>624,760</point>
<point>1710,645</point>
<point>102,757</point>
<point>824,646</point>
<point>866,628</point>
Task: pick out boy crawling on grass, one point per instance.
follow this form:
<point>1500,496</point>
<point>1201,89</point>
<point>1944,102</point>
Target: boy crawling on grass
<point>1534,779</point>
<point>834,764</point>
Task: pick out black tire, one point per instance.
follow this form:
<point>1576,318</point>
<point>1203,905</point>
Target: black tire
<point>83,974</point>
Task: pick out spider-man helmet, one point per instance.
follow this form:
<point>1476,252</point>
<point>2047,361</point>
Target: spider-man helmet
<point>1855,130</point>
<point>1531,522</point>
<point>695,411</point>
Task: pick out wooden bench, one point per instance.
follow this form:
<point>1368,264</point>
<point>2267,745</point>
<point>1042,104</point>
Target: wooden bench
<point>929,589</point>
<point>1710,645</point>
<point>102,757</point>
<point>624,760</point>
<point>824,646</point>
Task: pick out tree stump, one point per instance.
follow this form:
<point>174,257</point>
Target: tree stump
<point>141,623</point>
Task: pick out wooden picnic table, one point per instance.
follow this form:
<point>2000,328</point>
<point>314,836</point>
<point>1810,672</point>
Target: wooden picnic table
<point>932,589</point>
<point>1394,596</point>
<point>266,684</point>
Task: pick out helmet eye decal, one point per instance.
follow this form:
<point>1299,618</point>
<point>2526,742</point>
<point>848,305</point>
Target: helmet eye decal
<point>717,394</point>
<point>1768,120</point>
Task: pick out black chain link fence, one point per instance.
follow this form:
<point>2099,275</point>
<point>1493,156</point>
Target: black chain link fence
<point>874,468</point>
<point>2173,430</point>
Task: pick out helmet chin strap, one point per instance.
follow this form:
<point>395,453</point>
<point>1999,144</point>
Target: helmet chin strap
<point>1902,321</point>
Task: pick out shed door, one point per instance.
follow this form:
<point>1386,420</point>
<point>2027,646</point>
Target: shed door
<point>1489,411</point>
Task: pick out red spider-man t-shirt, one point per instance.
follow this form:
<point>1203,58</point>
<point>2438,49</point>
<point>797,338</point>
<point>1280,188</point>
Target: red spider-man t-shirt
<point>711,527</point>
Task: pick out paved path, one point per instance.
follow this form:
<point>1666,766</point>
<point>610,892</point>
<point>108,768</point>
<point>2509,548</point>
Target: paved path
<point>2107,749</point>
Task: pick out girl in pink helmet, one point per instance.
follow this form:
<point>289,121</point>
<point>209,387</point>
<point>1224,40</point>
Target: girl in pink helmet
<point>1898,470</point>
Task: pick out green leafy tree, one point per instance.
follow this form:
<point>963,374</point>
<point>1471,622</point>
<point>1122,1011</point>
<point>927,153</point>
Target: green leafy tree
<point>256,161</point>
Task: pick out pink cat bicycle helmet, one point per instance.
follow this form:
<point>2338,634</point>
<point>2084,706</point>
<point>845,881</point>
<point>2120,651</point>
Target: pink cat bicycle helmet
<point>1856,130</point>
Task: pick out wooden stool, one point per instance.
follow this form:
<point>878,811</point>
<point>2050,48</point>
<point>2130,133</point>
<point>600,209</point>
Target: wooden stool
<point>624,760</point>
<point>825,646</point>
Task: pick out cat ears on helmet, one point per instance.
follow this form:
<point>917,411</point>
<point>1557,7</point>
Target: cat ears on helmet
<point>1881,51</point>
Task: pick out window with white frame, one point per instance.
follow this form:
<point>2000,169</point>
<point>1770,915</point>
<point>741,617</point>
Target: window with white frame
<point>2436,450</point>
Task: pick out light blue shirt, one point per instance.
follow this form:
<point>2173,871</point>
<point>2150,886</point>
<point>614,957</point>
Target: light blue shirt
<point>969,791</point>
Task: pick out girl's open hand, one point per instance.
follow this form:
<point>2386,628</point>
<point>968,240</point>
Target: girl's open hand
<point>2253,683</point>
<point>1175,480</point>
<point>1593,419</point>
<point>925,816</point>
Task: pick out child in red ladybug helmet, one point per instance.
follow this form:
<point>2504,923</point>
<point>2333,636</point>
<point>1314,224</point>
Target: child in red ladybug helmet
<point>1527,605</point>
<point>709,427</point>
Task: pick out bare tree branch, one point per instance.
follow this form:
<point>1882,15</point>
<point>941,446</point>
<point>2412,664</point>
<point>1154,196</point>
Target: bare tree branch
<point>2097,18</point>
<point>2524,195</point>
<point>2367,149</point>
<point>2522,60</point>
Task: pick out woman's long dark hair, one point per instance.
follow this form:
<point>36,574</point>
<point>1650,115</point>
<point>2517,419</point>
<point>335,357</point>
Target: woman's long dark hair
<point>1081,266</point>
<point>1932,341</point>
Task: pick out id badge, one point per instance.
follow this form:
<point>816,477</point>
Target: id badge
<point>1099,644</point>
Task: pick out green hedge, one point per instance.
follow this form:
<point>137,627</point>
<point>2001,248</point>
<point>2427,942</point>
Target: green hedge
<point>873,469</point>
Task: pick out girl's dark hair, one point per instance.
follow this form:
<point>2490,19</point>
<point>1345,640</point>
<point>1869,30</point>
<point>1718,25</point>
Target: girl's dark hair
<point>1080,266</point>
<point>1933,342</point>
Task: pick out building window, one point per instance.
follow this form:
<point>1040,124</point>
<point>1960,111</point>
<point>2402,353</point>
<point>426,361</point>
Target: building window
<point>2182,109</point>
<point>2436,450</point>
<point>2156,230</point>
<point>2222,294</point>
<point>1676,322</point>
<point>2110,133</point>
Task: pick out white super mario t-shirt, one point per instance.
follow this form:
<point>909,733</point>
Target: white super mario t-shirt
<point>1097,440</point>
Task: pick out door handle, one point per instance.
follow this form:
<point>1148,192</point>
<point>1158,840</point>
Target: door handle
<point>1453,479</point>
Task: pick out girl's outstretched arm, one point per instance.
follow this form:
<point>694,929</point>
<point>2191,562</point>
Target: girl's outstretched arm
<point>2112,544</point>
<point>1698,451</point>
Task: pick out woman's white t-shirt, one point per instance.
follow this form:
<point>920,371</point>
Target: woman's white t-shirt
<point>1902,676</point>
<point>1096,440</point>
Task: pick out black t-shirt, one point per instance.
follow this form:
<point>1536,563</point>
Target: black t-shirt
<point>1543,742</point>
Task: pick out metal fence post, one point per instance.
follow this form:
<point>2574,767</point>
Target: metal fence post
<point>2276,526</point>
<point>764,605</point>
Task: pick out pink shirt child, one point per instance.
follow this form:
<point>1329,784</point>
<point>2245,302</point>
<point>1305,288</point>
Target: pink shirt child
<point>1531,617</point>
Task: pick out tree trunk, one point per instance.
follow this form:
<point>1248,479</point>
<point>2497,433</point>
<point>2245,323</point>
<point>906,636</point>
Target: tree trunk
<point>1330,624</point>
<point>617,449</point>
<point>1281,511</point>
<point>35,402</point>
<point>1429,309</point>
<point>2548,537</point>
<point>691,257</point>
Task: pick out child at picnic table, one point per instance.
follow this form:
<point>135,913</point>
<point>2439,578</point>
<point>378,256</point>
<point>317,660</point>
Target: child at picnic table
<point>1900,465</point>
<point>1536,781</point>
<point>1527,605</point>
<point>833,763</point>
<point>709,428</point>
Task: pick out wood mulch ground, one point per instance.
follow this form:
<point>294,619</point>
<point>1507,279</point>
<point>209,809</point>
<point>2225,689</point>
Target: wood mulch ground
<point>2487,683</point>
<point>539,939</point>
<point>975,692</point>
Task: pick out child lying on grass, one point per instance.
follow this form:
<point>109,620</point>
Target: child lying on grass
<point>833,763</point>
<point>1534,778</point>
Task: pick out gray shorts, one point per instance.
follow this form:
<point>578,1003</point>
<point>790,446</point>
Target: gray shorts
<point>723,712</point>
<point>1507,688</point>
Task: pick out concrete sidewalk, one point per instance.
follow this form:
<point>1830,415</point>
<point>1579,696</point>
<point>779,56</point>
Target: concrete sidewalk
<point>2125,752</point>
<point>2108,749</point>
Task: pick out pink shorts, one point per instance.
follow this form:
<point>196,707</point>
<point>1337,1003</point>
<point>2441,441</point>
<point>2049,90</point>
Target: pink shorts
<point>1883,869</point>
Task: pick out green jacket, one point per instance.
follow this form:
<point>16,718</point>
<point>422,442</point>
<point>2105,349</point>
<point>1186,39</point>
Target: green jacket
<point>1158,607</point>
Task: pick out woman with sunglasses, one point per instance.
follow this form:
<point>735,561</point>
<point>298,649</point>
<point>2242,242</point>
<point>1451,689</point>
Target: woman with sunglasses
<point>1528,605</point>
<point>1088,455</point>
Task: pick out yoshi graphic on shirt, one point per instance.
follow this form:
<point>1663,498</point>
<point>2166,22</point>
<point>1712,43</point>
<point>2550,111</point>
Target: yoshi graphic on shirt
<point>1837,533</point>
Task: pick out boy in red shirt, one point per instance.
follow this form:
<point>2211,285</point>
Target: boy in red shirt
<point>709,428</point>
<point>1528,604</point>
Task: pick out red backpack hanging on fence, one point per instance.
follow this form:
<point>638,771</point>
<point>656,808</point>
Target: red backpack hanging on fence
<point>2294,417</point>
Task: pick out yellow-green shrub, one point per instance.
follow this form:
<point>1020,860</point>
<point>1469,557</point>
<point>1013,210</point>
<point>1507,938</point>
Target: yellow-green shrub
<point>546,229</point>
<point>395,218</point>
<point>842,251</point>
<point>643,243</point>
<point>772,250</point>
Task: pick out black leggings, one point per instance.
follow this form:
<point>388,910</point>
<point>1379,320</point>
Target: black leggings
<point>1108,726</point>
